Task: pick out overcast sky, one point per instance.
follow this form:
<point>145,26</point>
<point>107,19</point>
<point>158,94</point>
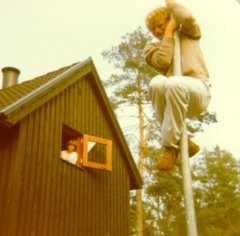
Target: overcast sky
<point>41,36</point>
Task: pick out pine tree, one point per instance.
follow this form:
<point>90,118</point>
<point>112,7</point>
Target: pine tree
<point>217,193</point>
<point>130,88</point>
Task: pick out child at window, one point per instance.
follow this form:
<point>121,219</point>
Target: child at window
<point>70,155</point>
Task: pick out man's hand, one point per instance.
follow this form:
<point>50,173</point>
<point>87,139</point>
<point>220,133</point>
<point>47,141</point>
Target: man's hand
<point>173,24</point>
<point>170,3</point>
<point>171,27</point>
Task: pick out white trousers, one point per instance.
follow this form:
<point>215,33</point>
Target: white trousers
<point>175,98</point>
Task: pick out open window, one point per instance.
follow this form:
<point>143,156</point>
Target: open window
<point>89,151</point>
<point>97,152</point>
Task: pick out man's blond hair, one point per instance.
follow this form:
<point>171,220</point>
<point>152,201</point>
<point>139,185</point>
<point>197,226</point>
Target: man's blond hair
<point>155,16</point>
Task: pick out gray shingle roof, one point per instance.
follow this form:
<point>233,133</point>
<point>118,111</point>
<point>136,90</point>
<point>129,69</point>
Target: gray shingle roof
<point>15,92</point>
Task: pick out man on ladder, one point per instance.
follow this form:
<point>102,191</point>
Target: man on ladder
<point>174,97</point>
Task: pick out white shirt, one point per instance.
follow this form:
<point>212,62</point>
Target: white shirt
<point>69,156</point>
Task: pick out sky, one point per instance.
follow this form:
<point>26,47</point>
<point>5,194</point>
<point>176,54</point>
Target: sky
<point>41,36</point>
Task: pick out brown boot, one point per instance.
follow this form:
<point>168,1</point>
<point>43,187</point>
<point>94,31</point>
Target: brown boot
<point>167,159</point>
<point>193,148</point>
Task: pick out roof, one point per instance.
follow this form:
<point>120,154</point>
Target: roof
<point>19,100</point>
<point>15,92</point>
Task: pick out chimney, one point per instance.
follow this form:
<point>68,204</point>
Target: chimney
<point>10,76</point>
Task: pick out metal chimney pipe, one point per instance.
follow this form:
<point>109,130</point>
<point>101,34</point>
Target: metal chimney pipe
<point>10,76</point>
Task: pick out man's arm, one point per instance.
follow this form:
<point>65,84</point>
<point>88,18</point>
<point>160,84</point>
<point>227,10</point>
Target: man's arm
<point>185,18</point>
<point>159,54</point>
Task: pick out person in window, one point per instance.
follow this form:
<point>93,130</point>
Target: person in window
<point>176,97</point>
<point>70,155</point>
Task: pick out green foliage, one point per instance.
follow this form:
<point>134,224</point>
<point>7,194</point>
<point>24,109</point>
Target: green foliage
<point>195,124</point>
<point>217,193</point>
<point>216,176</point>
<point>164,199</point>
<point>128,57</point>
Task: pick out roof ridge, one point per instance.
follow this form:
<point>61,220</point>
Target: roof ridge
<point>39,77</point>
<point>12,94</point>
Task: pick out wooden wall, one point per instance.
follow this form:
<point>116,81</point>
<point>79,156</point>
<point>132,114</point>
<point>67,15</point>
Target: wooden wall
<point>43,195</point>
